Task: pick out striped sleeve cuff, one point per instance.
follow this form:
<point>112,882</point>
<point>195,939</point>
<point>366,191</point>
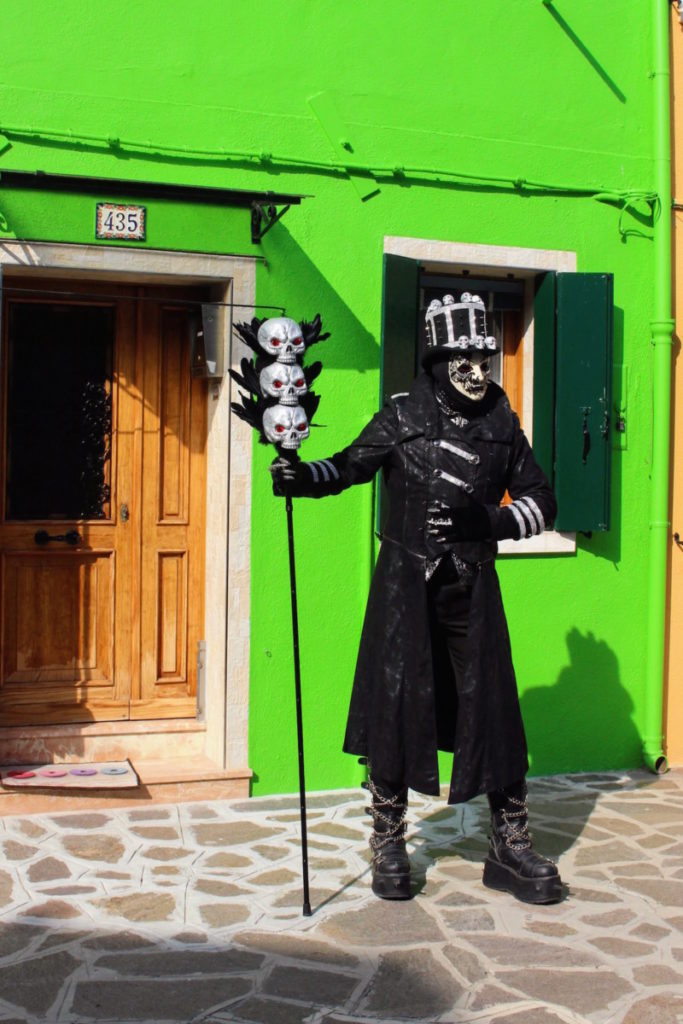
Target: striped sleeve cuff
<point>528,517</point>
<point>323,469</point>
<point>520,519</point>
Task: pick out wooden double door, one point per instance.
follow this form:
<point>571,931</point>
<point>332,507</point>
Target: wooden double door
<point>102,511</point>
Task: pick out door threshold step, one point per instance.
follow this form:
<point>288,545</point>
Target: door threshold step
<point>154,771</point>
<point>184,780</point>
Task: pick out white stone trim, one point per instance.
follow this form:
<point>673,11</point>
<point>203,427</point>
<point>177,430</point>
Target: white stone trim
<point>464,254</point>
<point>451,257</point>
<point>117,263</point>
<point>550,542</point>
<point>229,443</point>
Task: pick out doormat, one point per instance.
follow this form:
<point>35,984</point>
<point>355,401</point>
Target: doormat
<point>93,775</point>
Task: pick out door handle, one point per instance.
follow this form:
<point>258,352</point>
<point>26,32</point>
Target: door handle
<point>586,434</point>
<point>42,537</point>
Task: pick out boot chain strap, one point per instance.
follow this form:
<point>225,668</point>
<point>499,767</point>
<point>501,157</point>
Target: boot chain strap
<point>397,802</point>
<point>395,829</point>
<point>378,840</point>
<point>517,825</point>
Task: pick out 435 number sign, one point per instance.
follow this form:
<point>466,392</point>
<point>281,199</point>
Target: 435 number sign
<point>117,221</point>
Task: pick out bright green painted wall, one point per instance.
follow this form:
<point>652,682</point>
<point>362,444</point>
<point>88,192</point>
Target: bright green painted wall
<point>503,91</point>
<point>179,225</point>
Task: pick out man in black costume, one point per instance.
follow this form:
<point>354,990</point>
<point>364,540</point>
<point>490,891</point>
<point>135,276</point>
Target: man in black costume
<point>434,669</point>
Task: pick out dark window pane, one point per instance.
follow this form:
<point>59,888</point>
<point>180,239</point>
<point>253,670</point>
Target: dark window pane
<point>59,411</point>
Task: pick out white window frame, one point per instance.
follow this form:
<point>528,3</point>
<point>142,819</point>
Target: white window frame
<point>441,257</point>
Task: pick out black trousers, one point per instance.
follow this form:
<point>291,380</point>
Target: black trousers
<point>449,597</point>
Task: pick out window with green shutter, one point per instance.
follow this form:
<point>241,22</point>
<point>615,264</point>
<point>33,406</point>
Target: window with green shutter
<point>572,372</point>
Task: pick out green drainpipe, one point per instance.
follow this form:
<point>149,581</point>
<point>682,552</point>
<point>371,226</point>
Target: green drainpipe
<point>662,327</point>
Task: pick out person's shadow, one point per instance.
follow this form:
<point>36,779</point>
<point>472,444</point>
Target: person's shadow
<point>582,723</point>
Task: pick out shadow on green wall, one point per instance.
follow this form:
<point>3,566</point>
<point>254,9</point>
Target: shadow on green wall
<point>584,721</point>
<point>583,49</point>
<point>293,280</point>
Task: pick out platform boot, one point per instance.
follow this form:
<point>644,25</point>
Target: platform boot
<point>512,865</point>
<point>390,865</point>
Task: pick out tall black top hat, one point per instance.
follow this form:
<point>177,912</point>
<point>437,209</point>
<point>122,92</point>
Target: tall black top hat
<point>454,327</point>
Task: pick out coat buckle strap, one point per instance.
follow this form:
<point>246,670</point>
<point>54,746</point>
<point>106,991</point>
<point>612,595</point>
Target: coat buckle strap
<point>471,457</point>
<point>462,484</point>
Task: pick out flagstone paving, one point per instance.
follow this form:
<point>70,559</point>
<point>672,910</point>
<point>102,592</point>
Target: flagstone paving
<point>192,913</point>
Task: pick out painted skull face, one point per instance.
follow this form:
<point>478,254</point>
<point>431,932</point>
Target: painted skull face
<point>280,337</point>
<point>283,381</point>
<point>286,426</point>
<point>469,374</point>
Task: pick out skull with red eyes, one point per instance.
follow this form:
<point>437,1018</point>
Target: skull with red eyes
<point>285,426</point>
<point>281,338</point>
<point>283,381</point>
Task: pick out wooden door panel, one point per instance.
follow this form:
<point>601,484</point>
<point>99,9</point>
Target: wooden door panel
<point>64,611</point>
<point>174,417</point>
<point>58,619</point>
<point>107,629</point>
<point>173,485</point>
<point>171,616</point>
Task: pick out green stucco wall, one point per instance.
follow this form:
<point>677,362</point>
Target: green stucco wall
<point>502,120</point>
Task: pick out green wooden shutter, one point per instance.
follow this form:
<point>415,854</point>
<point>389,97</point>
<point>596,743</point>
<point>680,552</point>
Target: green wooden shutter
<point>400,307</point>
<point>399,352</point>
<point>583,400</point>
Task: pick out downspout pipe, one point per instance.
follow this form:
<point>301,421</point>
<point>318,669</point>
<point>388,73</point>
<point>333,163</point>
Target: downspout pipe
<point>662,327</point>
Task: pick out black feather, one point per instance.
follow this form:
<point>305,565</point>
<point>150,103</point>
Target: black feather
<point>248,378</point>
<point>251,376</point>
<point>239,379</point>
<point>309,404</point>
<point>311,331</point>
<point>312,371</point>
<point>248,333</point>
<point>251,410</point>
<point>247,412</point>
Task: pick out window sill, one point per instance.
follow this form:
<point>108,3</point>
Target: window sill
<point>549,543</point>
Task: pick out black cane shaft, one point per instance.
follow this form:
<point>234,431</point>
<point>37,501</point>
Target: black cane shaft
<point>299,717</point>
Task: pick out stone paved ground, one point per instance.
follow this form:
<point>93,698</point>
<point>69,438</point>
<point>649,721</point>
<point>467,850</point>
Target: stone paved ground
<point>192,913</point>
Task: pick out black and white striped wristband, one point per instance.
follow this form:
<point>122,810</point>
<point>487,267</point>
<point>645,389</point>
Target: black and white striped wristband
<point>323,470</point>
<point>528,517</point>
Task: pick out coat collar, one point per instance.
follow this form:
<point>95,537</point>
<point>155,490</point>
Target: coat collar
<point>420,415</point>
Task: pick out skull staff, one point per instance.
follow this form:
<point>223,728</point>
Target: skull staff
<point>434,669</point>
<point>276,384</point>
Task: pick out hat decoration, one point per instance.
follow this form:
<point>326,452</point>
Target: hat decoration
<point>457,327</point>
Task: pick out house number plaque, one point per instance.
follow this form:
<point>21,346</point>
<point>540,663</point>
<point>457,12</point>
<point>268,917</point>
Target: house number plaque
<point>117,221</point>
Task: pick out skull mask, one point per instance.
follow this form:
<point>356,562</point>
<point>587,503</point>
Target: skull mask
<point>469,374</point>
<point>286,383</point>
<point>286,426</point>
<point>281,338</point>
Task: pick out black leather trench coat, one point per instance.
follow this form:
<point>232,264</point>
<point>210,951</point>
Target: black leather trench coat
<point>405,702</point>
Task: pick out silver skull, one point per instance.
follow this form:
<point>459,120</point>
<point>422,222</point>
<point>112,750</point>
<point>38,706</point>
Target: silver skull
<point>283,381</point>
<point>281,338</point>
<point>285,425</point>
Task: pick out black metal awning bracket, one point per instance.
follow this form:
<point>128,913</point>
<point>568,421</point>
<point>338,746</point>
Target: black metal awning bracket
<point>263,217</point>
